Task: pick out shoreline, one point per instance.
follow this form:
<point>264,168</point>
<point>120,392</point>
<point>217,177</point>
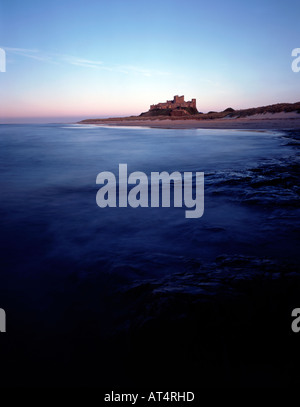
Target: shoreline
<point>255,123</point>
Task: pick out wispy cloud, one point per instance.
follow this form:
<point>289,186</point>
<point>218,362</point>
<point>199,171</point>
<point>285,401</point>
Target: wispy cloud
<point>82,62</point>
<point>86,63</point>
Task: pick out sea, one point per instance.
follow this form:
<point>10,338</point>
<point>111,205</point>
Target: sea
<point>88,291</point>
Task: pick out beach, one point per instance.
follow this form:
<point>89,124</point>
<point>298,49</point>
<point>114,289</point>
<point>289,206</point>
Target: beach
<point>276,121</point>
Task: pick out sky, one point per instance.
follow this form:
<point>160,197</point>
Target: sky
<point>68,60</point>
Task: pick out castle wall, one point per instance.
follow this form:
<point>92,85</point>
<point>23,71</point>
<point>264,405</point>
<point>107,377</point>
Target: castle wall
<point>178,101</point>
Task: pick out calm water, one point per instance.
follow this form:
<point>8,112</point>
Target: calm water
<point>63,258</point>
<point>49,213</point>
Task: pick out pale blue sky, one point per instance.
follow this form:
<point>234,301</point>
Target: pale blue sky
<point>78,59</point>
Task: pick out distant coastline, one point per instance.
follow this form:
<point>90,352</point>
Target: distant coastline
<point>278,116</point>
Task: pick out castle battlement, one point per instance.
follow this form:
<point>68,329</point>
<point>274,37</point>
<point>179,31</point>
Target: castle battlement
<point>177,102</point>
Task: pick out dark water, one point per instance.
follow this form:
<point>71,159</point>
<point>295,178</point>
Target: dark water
<point>65,261</point>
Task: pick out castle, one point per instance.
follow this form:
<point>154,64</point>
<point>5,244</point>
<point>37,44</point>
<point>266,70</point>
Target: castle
<point>177,102</point>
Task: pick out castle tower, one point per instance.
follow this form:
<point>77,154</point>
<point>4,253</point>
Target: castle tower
<point>177,102</point>
<point>178,99</point>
